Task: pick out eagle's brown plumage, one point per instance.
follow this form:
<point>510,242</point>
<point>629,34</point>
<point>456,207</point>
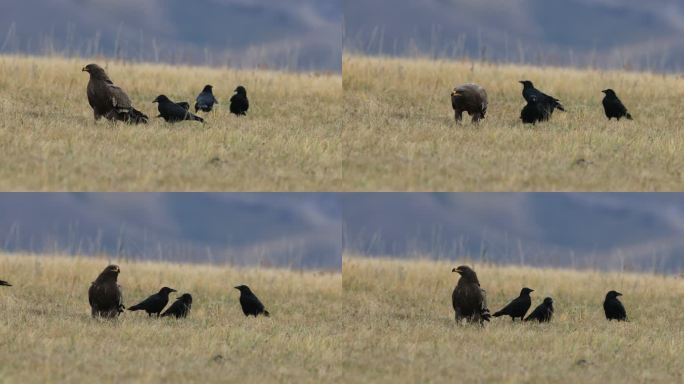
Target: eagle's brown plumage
<point>470,98</point>
<point>469,299</point>
<point>108,100</point>
<point>104,295</point>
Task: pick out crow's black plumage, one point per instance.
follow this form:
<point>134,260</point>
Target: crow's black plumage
<point>543,312</point>
<point>468,298</point>
<point>108,100</point>
<point>181,307</point>
<point>104,295</point>
<point>205,100</point>
<point>250,303</point>
<point>4,283</point>
<point>546,103</point>
<point>155,303</point>
<point>470,98</point>
<point>173,112</point>
<point>613,307</point>
<point>518,307</point>
<point>613,107</point>
<point>532,112</point>
<point>239,104</point>
<point>184,104</point>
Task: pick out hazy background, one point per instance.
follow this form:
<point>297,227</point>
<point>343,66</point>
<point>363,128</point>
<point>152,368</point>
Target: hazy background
<point>292,34</point>
<point>632,34</point>
<point>278,229</point>
<point>642,232</point>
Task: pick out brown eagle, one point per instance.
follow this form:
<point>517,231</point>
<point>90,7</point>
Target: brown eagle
<point>108,100</point>
<point>105,295</point>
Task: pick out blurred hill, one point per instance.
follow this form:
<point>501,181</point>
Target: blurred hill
<point>296,35</point>
<point>603,33</point>
<point>608,231</point>
<point>280,229</point>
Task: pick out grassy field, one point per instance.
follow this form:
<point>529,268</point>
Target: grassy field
<point>400,134</point>
<point>47,334</point>
<point>404,329</point>
<point>49,140</point>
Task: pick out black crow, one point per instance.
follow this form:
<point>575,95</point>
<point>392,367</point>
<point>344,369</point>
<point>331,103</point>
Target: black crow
<point>108,100</point>
<point>205,100</point>
<point>181,307</point>
<point>547,103</point>
<point>104,295</point>
<point>468,298</point>
<point>155,303</point>
<point>532,112</point>
<point>239,103</point>
<point>470,98</point>
<point>172,112</point>
<point>614,107</point>
<point>518,307</point>
<point>543,312</point>
<point>250,303</point>
<point>613,307</point>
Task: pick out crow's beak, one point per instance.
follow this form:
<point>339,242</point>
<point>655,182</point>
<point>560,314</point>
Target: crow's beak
<point>238,288</point>
<point>173,290</point>
<point>521,82</point>
<point>454,270</point>
<point>84,69</point>
<point>619,294</point>
<point>604,91</point>
<point>156,100</point>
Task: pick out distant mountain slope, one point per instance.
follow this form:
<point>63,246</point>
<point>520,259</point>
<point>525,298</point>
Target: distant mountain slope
<point>608,33</point>
<point>637,231</point>
<point>299,230</point>
<point>297,34</point>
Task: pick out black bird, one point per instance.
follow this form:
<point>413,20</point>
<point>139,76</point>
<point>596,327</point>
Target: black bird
<point>155,303</point>
<point>181,307</point>
<point>532,112</point>
<point>614,107</point>
<point>172,112</point>
<point>239,103</point>
<point>468,298</point>
<point>547,103</point>
<point>104,295</point>
<point>250,303</point>
<point>205,100</point>
<point>518,307</point>
<point>4,283</point>
<point>109,101</point>
<point>543,312</point>
<point>613,307</point>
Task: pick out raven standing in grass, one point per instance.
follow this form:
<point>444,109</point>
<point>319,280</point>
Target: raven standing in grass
<point>613,307</point>
<point>181,307</point>
<point>518,307</point>
<point>173,112</point>
<point>468,298</point>
<point>155,303</point>
<point>104,295</point>
<point>547,104</point>
<point>250,303</point>
<point>614,107</point>
<point>532,112</point>
<point>239,103</point>
<point>205,100</point>
<point>4,283</point>
<point>108,100</point>
<point>470,98</point>
<point>543,312</point>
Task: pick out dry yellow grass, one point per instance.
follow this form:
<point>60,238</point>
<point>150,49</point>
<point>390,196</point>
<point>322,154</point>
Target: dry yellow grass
<point>47,334</point>
<point>404,330</point>
<point>49,140</point>
<point>400,134</point>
